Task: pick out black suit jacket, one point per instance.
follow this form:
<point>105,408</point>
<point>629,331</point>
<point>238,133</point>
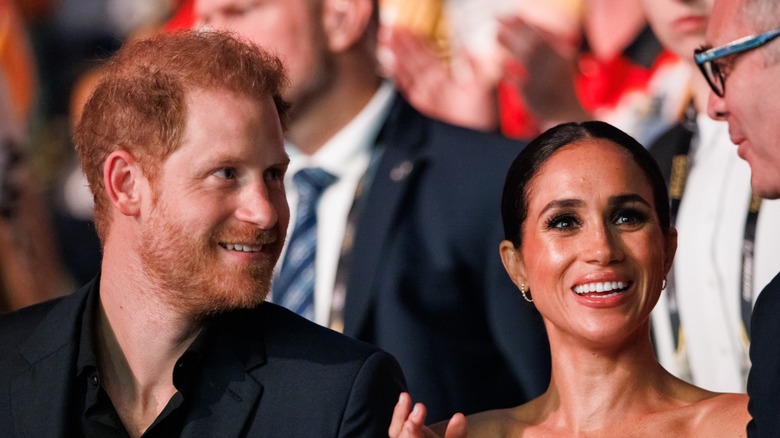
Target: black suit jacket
<point>278,376</point>
<point>427,283</point>
<point>764,379</point>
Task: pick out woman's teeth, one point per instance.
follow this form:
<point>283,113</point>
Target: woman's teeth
<point>605,286</point>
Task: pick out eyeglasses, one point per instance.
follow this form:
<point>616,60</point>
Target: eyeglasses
<point>707,59</point>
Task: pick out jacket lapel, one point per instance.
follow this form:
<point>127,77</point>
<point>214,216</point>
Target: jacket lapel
<point>402,143</point>
<point>232,391</point>
<point>46,386</point>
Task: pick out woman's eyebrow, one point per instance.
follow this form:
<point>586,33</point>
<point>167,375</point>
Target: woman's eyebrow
<point>562,203</point>
<point>627,199</point>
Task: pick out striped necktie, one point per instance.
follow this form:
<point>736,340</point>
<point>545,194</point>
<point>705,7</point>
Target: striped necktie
<point>294,286</point>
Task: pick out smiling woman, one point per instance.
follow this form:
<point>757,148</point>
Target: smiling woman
<point>588,240</point>
<point>580,214</point>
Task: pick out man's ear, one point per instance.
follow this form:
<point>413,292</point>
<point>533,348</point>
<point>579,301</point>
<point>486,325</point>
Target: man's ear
<point>121,176</point>
<point>513,263</point>
<point>345,22</point>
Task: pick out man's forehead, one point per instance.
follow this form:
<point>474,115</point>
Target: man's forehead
<point>208,6</point>
<point>727,23</point>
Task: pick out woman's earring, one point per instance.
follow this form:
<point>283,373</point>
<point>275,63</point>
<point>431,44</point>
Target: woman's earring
<point>526,293</point>
<point>663,285</point>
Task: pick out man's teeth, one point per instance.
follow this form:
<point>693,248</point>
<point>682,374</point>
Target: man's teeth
<point>244,248</point>
<point>605,286</point>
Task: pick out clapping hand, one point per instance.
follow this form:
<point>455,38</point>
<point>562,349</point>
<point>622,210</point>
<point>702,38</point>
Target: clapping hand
<point>542,66</point>
<point>427,81</point>
<point>410,423</point>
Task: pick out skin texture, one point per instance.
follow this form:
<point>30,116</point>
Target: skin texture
<point>752,99</point>
<point>591,218</point>
<point>212,194</point>
<point>584,244</point>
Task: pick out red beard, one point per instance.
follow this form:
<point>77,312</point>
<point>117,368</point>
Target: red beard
<point>197,280</point>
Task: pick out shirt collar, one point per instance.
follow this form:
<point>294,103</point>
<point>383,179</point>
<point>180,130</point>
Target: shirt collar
<point>186,365</point>
<point>354,140</point>
<point>87,356</point>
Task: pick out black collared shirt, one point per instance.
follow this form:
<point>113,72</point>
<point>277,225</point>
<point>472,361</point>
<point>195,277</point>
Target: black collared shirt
<point>94,415</point>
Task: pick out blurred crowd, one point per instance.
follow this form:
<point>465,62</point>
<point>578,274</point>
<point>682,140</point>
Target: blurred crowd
<point>512,67</point>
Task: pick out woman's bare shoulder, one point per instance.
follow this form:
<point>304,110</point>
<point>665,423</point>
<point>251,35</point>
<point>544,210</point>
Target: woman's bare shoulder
<point>703,411</point>
<point>722,414</point>
<point>502,422</point>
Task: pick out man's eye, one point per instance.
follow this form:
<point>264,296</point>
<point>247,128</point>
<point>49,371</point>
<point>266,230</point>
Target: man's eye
<point>226,173</point>
<point>274,174</point>
<point>240,10</point>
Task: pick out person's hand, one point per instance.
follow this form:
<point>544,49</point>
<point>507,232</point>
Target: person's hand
<point>542,67</point>
<point>410,423</point>
<point>467,98</point>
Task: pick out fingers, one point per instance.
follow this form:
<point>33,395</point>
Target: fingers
<point>415,55</point>
<point>410,61</point>
<point>416,419</point>
<point>400,413</point>
<point>457,427</point>
<point>407,424</point>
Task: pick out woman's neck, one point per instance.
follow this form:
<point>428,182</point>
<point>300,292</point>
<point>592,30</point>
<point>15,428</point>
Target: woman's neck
<point>591,388</point>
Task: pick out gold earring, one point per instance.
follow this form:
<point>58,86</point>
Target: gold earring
<point>526,293</point>
<point>663,285</point>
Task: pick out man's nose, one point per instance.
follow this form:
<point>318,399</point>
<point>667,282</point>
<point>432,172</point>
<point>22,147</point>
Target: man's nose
<point>256,207</point>
<point>716,107</point>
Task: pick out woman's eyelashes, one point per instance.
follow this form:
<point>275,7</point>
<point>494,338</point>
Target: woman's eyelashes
<point>570,221</point>
<point>563,222</point>
<point>630,217</point>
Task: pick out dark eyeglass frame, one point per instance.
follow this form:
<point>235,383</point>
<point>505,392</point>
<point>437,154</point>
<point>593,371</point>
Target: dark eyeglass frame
<point>706,58</point>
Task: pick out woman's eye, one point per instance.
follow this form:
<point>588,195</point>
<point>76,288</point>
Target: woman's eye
<point>562,222</point>
<point>226,173</point>
<point>629,217</point>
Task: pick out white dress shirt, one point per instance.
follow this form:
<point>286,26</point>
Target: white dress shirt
<point>346,155</point>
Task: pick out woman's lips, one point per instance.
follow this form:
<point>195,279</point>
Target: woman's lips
<point>691,23</point>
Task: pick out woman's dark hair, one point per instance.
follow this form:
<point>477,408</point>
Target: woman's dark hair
<point>514,203</point>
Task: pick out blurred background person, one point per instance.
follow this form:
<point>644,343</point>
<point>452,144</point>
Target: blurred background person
<point>401,244</point>
<point>459,75</point>
<point>46,50</point>
<point>29,263</point>
<point>728,244</point>
<point>606,65</point>
<point>70,199</point>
